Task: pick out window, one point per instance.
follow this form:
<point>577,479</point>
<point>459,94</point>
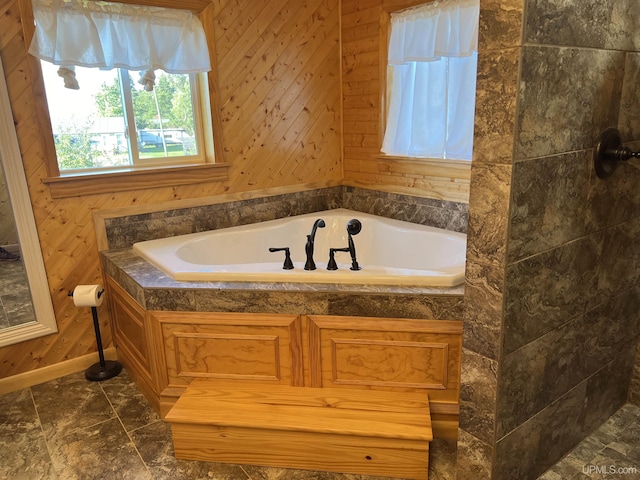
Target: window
<point>431,81</point>
<point>111,122</point>
<point>107,118</point>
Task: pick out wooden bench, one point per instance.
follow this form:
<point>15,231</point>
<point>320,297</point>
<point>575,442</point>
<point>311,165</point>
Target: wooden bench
<point>341,430</point>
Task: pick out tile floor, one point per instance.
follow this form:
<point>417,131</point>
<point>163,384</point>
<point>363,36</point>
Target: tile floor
<point>611,452</point>
<point>70,428</point>
<point>15,298</point>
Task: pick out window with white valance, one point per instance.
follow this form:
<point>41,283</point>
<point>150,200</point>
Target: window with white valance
<point>431,80</point>
<point>114,122</point>
<point>107,35</point>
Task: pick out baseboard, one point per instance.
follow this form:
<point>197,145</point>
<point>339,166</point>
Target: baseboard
<point>41,375</point>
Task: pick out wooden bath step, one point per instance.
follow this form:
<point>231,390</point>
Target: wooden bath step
<point>340,430</point>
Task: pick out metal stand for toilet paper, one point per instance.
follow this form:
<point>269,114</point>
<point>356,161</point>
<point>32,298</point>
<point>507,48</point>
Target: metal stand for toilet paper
<point>104,369</point>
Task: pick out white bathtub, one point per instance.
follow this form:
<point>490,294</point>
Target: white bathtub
<point>390,252</point>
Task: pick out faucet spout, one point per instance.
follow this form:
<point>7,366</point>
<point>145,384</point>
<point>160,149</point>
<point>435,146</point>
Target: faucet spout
<point>310,264</point>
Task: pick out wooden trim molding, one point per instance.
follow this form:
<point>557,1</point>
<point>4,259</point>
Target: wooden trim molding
<point>77,185</point>
<point>45,374</point>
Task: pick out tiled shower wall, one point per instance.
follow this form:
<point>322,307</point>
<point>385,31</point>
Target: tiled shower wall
<point>552,304</point>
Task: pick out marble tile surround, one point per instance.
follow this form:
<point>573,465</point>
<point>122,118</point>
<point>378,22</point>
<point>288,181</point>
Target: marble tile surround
<point>156,291</point>
<point>634,387</point>
<point>125,230</point>
<point>500,24</point>
<point>556,74</point>
<point>549,202</point>
<point>551,259</point>
<point>489,213</point>
<point>528,451</point>
<point>547,290</point>
<point>601,24</point>
<point>545,369</point>
<point>496,105</point>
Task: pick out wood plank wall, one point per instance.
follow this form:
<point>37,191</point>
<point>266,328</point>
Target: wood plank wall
<point>279,71</point>
<point>363,52</point>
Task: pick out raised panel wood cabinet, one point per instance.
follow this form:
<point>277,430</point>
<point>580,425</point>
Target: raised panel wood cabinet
<point>241,347</point>
<point>165,351</point>
<point>390,354</point>
<point>131,338</point>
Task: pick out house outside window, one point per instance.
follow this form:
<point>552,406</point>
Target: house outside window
<point>112,122</point>
<point>121,83</point>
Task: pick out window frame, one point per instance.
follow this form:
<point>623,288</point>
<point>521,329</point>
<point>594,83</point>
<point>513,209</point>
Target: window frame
<point>456,168</point>
<point>213,169</point>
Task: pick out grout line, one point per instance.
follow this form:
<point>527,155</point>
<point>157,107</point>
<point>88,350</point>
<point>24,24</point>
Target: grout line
<point>44,435</point>
<point>127,433</point>
<point>245,472</point>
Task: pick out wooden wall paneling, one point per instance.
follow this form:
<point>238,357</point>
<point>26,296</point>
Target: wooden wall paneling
<point>449,189</point>
<point>272,89</point>
<point>243,46</point>
<point>306,160</point>
<point>291,117</point>
<point>365,14</point>
<point>362,45</point>
<point>260,64</point>
<point>393,5</point>
<point>212,97</point>
<point>65,225</point>
<point>18,79</point>
<point>365,87</point>
<point>41,112</point>
<point>11,25</point>
<point>359,32</point>
<point>277,104</point>
<point>13,52</point>
<point>230,19</point>
<point>315,118</point>
<point>194,5</point>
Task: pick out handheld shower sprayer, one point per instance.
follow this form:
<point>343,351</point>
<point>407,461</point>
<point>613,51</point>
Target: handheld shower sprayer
<point>353,228</point>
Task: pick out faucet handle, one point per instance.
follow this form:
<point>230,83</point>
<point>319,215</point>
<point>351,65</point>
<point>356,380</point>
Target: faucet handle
<point>332,265</point>
<point>288,264</point>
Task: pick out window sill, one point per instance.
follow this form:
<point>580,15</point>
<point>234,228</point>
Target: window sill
<point>440,162</point>
<point>438,167</point>
<point>109,182</point>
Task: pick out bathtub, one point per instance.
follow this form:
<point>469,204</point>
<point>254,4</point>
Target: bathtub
<point>389,252</point>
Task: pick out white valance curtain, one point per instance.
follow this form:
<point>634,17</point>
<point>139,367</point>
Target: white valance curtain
<point>109,35</point>
<point>432,64</point>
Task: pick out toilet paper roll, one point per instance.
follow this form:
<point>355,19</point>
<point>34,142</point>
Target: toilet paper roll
<point>88,295</point>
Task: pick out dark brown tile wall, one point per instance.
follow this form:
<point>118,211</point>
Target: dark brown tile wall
<point>500,44</point>
<point>552,287</point>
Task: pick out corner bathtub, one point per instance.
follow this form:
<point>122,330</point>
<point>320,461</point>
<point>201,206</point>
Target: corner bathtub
<point>390,252</point>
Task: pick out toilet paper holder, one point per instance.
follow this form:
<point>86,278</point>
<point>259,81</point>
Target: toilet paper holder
<point>104,369</point>
<point>609,152</point>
